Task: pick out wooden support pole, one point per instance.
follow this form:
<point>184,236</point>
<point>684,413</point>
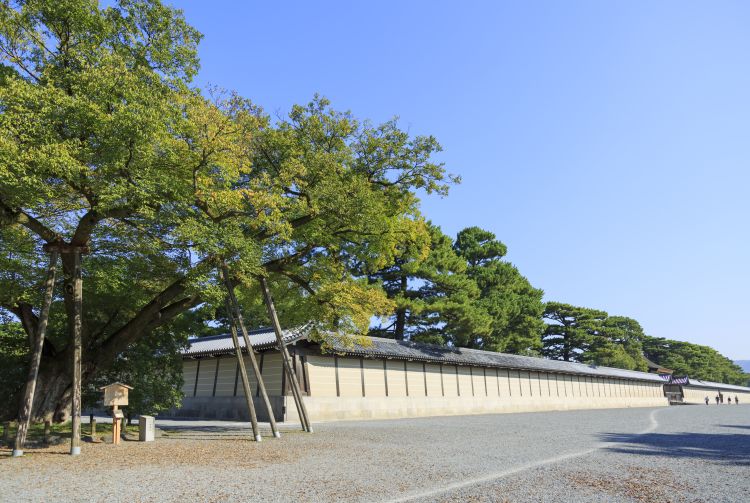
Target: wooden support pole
<point>288,367</point>
<point>235,316</point>
<point>92,423</point>
<point>243,376</point>
<point>115,426</point>
<point>47,428</point>
<point>24,415</point>
<point>75,439</point>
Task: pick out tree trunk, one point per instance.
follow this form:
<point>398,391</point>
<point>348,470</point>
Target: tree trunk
<point>52,399</point>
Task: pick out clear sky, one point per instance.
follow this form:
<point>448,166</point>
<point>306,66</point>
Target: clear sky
<point>606,143</point>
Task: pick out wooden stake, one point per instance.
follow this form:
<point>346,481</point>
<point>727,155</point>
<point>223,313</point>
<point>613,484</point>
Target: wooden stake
<point>115,426</point>
<point>75,439</point>
<point>235,316</point>
<point>24,415</point>
<point>288,367</point>
<point>243,375</point>
<point>47,428</point>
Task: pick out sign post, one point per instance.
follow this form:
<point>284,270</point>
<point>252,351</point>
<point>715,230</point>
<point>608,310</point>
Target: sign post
<point>115,395</point>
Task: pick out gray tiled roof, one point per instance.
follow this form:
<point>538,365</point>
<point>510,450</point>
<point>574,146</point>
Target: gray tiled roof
<point>715,385</point>
<point>405,350</point>
<point>262,338</point>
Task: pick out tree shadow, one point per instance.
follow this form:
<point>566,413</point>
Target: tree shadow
<point>721,448</point>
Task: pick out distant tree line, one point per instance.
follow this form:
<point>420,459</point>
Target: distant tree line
<point>463,293</point>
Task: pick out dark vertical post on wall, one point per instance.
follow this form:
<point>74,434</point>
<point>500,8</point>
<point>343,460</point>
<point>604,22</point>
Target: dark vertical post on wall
<point>235,317</point>
<point>301,409</point>
<point>24,416</point>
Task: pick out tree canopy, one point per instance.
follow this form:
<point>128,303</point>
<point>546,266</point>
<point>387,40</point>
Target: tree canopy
<point>694,360</point>
<point>104,143</point>
<point>462,293</point>
<point>571,331</point>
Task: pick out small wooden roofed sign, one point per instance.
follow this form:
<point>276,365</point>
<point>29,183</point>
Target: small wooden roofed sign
<point>115,394</point>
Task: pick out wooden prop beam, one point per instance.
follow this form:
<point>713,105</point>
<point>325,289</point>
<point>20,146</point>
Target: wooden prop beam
<point>24,415</point>
<point>75,439</point>
<point>235,315</point>
<point>288,367</point>
<point>243,375</point>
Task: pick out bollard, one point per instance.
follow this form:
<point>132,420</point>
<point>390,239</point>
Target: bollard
<point>146,428</point>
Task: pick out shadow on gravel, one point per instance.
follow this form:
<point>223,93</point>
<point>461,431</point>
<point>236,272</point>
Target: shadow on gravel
<point>738,426</point>
<point>729,448</point>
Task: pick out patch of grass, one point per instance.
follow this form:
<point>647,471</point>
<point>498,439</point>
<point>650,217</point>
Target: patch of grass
<point>36,430</point>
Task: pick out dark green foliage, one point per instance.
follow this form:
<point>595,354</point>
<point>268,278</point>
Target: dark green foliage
<point>694,360</point>
<point>462,294</point>
<point>13,366</point>
<point>513,305</point>
<point>617,343</point>
<point>434,299</point>
<point>153,367</point>
<point>571,332</point>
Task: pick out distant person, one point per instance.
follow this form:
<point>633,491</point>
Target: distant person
<point>729,400</point>
<point>736,400</point>
<point>706,399</point>
<point>717,399</point>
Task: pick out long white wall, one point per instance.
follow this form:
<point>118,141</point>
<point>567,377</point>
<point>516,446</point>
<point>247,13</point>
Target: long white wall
<point>697,395</point>
<point>362,388</point>
<point>353,388</point>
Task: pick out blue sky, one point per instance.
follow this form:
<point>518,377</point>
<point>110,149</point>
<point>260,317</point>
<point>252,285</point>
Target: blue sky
<point>606,143</point>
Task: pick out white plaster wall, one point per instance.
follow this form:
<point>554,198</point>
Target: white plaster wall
<point>332,408</point>
<point>506,391</point>
<point>693,394</point>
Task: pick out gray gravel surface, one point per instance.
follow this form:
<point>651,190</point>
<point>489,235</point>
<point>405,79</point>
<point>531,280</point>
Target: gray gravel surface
<point>689,453</point>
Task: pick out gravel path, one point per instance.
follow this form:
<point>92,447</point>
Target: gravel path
<point>690,454</point>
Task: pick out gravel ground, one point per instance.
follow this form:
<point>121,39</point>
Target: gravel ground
<point>677,454</point>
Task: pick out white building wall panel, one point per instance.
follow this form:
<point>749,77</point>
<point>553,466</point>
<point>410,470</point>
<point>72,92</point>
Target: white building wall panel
<point>396,378</point>
<point>374,377</point>
<point>189,368</point>
<point>350,377</point>
<point>321,372</point>
<point>450,381</point>
<point>206,374</point>
<point>434,384</point>
<point>227,374</point>
<point>415,378</point>
<point>464,381</point>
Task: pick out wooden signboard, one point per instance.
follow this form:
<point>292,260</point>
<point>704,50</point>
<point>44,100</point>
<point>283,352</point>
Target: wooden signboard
<point>115,394</point>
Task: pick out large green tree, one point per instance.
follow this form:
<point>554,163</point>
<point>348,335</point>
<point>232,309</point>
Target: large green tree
<point>434,298</point>
<point>570,331</point>
<point>462,293</point>
<point>514,306</point>
<point>104,143</point>
<point>617,343</point>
